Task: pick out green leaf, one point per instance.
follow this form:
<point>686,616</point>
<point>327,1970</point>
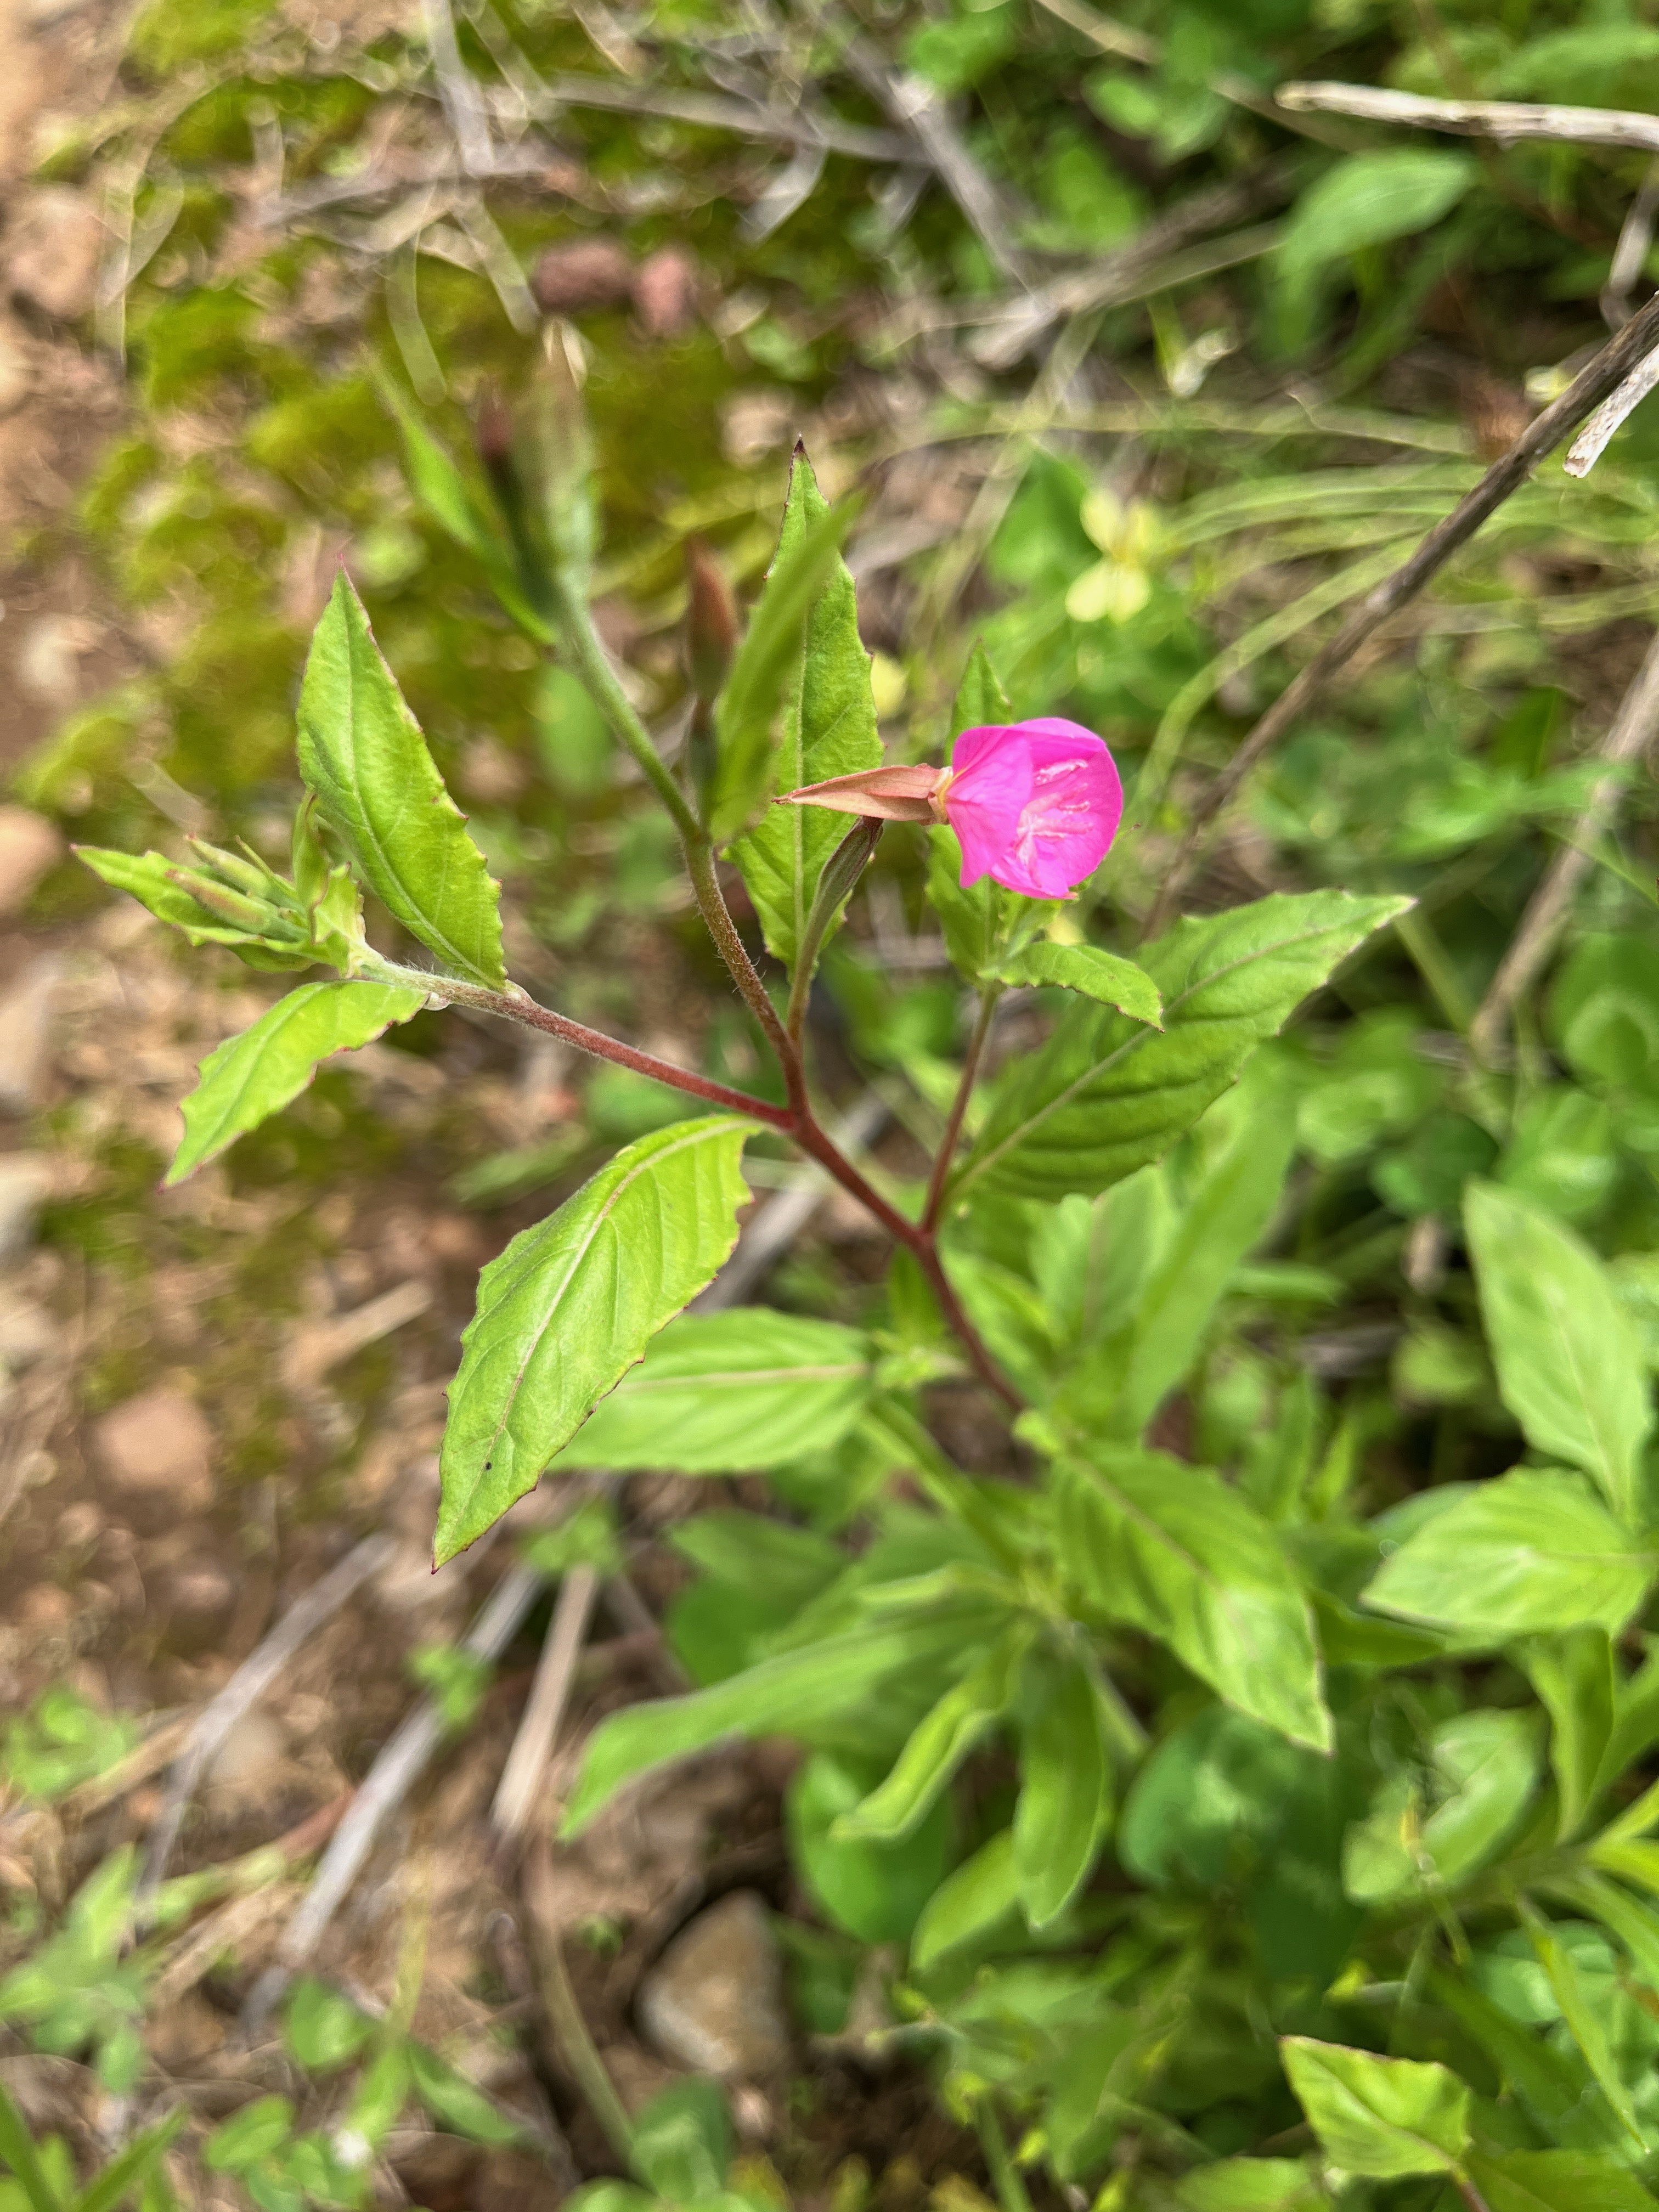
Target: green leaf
<point>149,878</point>
<point>1584,2021</point>
<point>753,1552</point>
<point>1065,1800</point>
<point>829,729</point>
<point>720,1392</point>
<point>975,921</point>
<point>1123,1384</point>
<point>17,2150</point>
<point>682,2141</point>
<point>874,1888</point>
<point>1577,1683</point>
<point>1248,2185</point>
<point>571,1304</point>
<point>458,2104</point>
<point>772,660</point>
<point>1106,1095</point>
<point>1634,1924</point>
<point>1529,1553</point>
<point>1106,976</point>
<point>1568,1364</point>
<point>1367,199</point>
<point>1382,2117</point>
<point>1555,2181</point>
<point>1172,1550</point>
<point>1484,1766</point>
<point>362,752</point>
<point>937,1746</point>
<point>131,2168</point>
<point>249,2135</point>
<point>248,1078</point>
<point>793,1693</point>
<point>323,2029</point>
<point>968,1904</point>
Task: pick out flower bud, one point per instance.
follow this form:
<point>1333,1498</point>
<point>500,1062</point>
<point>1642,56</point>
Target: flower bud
<point>711,621</point>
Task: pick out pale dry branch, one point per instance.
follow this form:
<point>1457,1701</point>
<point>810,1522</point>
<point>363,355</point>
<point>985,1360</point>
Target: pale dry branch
<point>1631,733</point>
<point>1635,238</point>
<point>244,1689</point>
<point>532,1747</point>
<point>717,111</point>
<point>399,1766</point>
<point>1593,440</point>
<point>1594,384</point>
<point>1507,121</point>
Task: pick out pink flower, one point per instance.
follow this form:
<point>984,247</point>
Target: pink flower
<point>1036,806</point>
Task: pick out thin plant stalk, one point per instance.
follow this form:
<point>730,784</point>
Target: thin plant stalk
<point>934,1206</point>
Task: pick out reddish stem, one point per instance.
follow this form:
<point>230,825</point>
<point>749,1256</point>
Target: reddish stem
<point>935,1202</point>
<point>796,1121</point>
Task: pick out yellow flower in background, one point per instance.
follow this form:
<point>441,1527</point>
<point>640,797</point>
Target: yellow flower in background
<point>1120,583</point>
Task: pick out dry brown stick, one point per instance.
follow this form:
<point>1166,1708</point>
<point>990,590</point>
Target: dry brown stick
<point>1505,120</point>
<point>244,1688</point>
<point>532,1747</point>
<point>1632,729</point>
<point>1588,390</point>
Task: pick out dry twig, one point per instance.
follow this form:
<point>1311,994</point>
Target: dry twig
<point>1586,393</point>
<point>388,1781</point>
<point>1632,730</point>
<point>532,1747</point>
<point>1506,120</point>
<point>244,1688</point>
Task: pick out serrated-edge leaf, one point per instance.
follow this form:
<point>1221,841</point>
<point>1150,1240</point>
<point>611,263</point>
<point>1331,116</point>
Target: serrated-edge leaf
<point>362,753</point>
<point>782,857</point>
<point>1538,1523</point>
<point>1316,930</point>
<point>1096,974</point>
<point>714,1366</point>
<point>249,1078</point>
<point>524,1386</point>
<point>1233,1611</point>
<point>746,714</point>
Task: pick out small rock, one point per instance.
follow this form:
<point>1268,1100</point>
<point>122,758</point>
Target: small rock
<point>666,292</point>
<point>200,1591</point>
<point>714,2000</point>
<point>47,1607</point>
<point>159,1442</point>
<point>254,1747</point>
<point>26,1013</point>
<point>29,845</point>
<point>56,244</point>
<point>49,656</point>
<point>26,1178</point>
<point>588,272</point>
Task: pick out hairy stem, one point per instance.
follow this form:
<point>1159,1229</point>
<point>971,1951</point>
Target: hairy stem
<point>585,651</point>
<point>989,997</point>
<point>516,1006</point>
<point>717,916</point>
<point>1588,390</point>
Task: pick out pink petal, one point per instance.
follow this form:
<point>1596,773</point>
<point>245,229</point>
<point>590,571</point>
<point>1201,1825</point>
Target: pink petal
<point>992,777</point>
<point>1036,806</point>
